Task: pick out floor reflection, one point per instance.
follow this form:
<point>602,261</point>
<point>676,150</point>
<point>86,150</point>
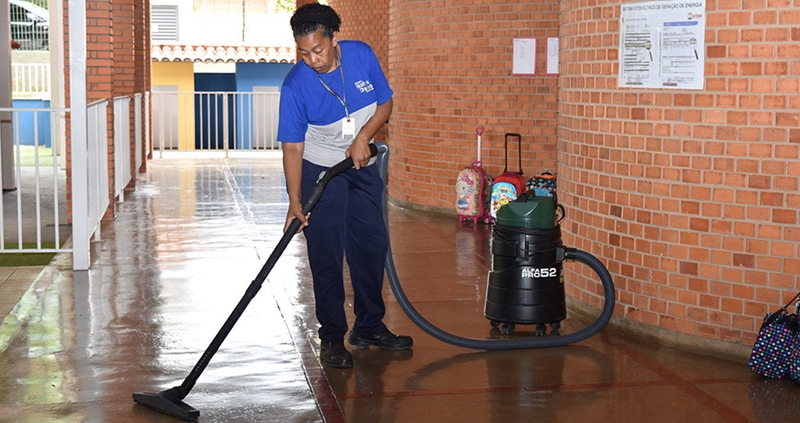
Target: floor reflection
<point>186,244</point>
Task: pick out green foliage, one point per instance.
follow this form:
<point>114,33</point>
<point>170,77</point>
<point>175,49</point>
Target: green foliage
<point>290,5</point>
<point>285,5</point>
<point>26,259</point>
<point>27,155</point>
<point>43,3</point>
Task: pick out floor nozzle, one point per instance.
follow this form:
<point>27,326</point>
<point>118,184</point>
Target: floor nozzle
<point>167,403</point>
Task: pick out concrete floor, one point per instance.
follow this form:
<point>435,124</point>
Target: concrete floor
<point>187,243</point>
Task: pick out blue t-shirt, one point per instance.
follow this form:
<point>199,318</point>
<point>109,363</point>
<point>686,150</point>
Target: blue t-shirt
<point>310,113</point>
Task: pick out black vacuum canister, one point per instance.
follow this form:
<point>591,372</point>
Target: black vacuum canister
<point>526,283</point>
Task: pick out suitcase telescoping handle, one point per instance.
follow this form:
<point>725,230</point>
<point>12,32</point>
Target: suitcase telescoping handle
<point>479,130</point>
<point>519,143</point>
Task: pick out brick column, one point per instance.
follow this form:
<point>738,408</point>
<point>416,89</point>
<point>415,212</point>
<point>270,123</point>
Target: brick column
<point>68,145</point>
<point>146,74</point>
<point>99,72</point>
<point>141,59</point>
<point>124,78</point>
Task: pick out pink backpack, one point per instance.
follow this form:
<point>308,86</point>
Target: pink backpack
<point>472,189</point>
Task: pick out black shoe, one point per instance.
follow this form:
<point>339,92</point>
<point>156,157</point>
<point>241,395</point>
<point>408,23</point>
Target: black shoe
<point>385,340</point>
<point>334,354</point>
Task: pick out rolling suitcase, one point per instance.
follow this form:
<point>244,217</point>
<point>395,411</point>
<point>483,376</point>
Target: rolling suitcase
<point>509,185</point>
<point>472,190</point>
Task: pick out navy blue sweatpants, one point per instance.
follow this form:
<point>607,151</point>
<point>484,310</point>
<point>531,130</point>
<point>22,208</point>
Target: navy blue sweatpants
<point>347,222</point>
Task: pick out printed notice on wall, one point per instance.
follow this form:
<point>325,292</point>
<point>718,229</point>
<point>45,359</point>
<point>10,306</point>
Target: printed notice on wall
<point>662,44</point>
<point>552,56</point>
<point>524,56</point>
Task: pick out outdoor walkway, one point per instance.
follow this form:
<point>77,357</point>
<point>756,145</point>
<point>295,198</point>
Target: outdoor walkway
<point>187,243</point>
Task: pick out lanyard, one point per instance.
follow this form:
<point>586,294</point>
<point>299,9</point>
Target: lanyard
<point>343,98</point>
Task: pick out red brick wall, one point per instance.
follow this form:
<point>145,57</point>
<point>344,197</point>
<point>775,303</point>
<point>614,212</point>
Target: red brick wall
<point>689,196</point>
<point>450,66</point>
<point>368,22</point>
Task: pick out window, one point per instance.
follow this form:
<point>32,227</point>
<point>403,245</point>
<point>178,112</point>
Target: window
<point>164,23</point>
<point>30,25</point>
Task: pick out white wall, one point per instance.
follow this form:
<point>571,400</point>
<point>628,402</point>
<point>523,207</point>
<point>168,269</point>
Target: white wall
<point>225,23</point>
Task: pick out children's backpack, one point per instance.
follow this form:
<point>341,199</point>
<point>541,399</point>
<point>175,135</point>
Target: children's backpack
<point>508,185</point>
<point>472,201</point>
<point>543,184</point>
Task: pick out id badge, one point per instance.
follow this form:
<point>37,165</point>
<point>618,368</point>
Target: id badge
<point>348,128</point>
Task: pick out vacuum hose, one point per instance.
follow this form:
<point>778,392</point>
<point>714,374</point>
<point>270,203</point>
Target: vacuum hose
<point>499,344</point>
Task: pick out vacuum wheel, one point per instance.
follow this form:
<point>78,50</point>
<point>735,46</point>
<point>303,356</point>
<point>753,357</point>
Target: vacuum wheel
<point>507,328</point>
<point>555,325</point>
<point>541,329</point>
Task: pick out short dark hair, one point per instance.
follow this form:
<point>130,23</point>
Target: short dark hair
<point>312,17</point>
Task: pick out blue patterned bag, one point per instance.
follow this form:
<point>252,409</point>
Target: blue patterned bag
<point>543,184</point>
<point>794,361</point>
<point>775,344</point>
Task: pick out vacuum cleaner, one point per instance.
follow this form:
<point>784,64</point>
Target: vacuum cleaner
<point>525,285</point>
<point>526,282</point>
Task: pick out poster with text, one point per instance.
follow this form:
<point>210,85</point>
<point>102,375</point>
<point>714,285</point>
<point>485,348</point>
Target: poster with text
<point>662,44</point>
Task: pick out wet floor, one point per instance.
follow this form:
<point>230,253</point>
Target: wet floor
<point>188,242</point>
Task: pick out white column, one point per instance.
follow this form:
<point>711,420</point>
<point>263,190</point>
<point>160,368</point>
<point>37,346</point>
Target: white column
<point>78,134</point>
<point>56,41</point>
<point>6,125</point>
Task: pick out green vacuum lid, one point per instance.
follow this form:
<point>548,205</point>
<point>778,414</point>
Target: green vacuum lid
<point>529,211</point>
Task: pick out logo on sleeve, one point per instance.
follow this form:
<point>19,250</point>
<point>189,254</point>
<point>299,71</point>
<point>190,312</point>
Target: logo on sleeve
<point>364,86</point>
